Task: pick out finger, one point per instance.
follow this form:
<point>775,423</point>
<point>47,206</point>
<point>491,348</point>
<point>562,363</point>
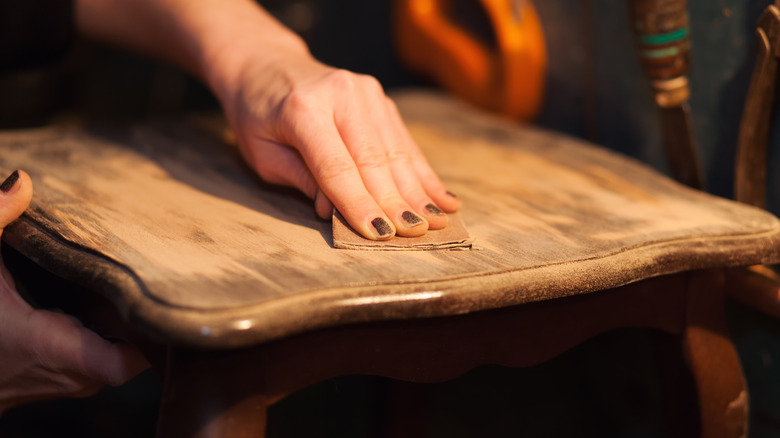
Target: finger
<point>279,164</point>
<point>331,165</point>
<point>400,157</point>
<point>369,152</point>
<point>15,195</point>
<point>67,347</point>
<point>430,181</point>
<point>283,165</point>
<point>112,364</point>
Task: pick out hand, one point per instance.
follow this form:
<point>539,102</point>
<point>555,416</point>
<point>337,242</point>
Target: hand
<point>47,355</point>
<point>328,132</point>
<point>335,136</point>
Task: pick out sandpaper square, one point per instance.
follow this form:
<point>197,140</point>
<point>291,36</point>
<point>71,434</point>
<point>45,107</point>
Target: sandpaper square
<point>453,236</point>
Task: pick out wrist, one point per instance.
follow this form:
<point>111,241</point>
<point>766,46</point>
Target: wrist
<point>253,42</point>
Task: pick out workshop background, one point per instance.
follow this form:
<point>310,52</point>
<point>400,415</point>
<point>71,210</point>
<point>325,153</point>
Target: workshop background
<point>612,386</point>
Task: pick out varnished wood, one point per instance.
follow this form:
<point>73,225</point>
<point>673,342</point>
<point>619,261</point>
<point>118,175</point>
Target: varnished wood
<point>196,251</point>
<point>723,396</point>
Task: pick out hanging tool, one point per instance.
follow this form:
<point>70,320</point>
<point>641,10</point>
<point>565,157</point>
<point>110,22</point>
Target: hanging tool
<point>758,114</point>
<point>489,52</point>
<point>663,38</point>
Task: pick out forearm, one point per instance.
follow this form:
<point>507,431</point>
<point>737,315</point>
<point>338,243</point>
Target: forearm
<point>208,38</point>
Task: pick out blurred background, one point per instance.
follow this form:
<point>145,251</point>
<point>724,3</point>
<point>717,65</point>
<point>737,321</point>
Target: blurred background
<point>612,386</point>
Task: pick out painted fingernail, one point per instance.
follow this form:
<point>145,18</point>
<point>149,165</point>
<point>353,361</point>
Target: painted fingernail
<point>411,218</point>
<point>382,227</point>
<point>452,194</point>
<point>433,209</point>
<point>9,182</point>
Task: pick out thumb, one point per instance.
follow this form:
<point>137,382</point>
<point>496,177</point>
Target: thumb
<point>15,195</point>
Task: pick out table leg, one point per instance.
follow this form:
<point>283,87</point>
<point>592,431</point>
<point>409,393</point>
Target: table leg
<point>200,400</point>
<point>723,397</point>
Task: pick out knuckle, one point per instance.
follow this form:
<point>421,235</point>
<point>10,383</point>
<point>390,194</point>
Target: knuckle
<point>346,81</point>
<point>295,103</point>
<point>372,83</point>
<point>400,156</point>
<point>343,80</point>
<point>296,111</point>
<point>335,168</point>
<point>369,157</point>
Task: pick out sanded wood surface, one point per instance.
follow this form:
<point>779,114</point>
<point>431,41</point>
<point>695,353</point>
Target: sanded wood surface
<point>194,249</point>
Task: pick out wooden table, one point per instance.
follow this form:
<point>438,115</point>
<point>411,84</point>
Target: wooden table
<point>235,293</point>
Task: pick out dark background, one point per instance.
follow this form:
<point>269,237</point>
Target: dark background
<point>609,387</point>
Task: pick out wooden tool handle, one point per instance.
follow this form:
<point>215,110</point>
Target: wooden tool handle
<point>662,33</point>
<point>502,69</point>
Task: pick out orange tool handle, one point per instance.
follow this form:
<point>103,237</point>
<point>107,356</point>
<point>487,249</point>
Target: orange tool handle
<point>508,77</point>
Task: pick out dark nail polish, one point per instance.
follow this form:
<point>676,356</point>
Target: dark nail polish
<point>452,194</point>
<point>9,182</point>
<point>411,218</point>
<point>382,227</point>
<point>433,209</point>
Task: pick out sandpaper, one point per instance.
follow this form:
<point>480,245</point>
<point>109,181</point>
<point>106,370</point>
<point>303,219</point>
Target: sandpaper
<point>453,236</point>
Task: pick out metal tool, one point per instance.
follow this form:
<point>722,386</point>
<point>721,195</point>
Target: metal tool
<point>489,52</point>
<point>758,114</point>
<point>662,32</point>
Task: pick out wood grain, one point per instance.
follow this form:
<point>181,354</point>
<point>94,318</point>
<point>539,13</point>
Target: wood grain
<point>194,249</point>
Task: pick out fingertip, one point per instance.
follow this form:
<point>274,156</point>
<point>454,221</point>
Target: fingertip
<point>369,226</point>
<point>380,229</point>
<point>115,363</point>
<point>447,201</point>
<point>15,195</point>
<point>133,364</point>
<point>101,360</point>
<point>10,183</point>
<point>437,218</point>
<point>24,183</point>
<point>410,224</point>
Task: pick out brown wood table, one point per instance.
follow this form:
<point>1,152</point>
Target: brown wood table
<point>234,290</point>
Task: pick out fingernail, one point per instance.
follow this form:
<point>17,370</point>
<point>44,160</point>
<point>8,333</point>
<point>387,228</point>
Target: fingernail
<point>452,194</point>
<point>433,209</point>
<point>411,218</point>
<point>9,182</point>
<point>382,227</point>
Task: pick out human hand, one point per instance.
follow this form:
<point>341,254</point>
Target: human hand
<point>328,132</point>
<point>43,354</point>
<point>339,139</point>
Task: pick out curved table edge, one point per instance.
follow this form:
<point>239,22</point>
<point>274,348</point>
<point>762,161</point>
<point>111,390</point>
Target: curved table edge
<point>308,311</point>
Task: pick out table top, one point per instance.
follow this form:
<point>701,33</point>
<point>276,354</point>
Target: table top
<point>177,232</point>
